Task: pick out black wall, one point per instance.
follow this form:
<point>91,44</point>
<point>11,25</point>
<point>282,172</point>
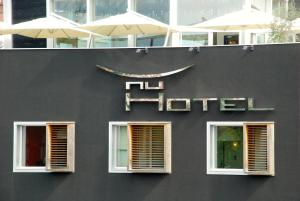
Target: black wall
<point>65,85</point>
<point>25,10</point>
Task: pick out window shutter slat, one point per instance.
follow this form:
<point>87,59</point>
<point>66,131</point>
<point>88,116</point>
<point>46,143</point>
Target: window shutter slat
<point>259,149</point>
<point>147,148</point>
<point>60,147</point>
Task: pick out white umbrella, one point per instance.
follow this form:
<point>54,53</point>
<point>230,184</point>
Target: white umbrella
<point>296,24</point>
<point>244,19</point>
<point>48,27</point>
<point>129,23</point>
<point>3,26</point>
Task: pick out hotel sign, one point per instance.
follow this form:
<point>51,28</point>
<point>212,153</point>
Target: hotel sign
<point>225,103</point>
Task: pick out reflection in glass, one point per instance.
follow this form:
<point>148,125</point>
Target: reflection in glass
<point>156,9</point>
<point>191,11</point>
<point>72,9</point>
<point>70,43</point>
<point>260,5</point>
<point>194,39</point>
<point>298,37</point>
<point>107,8</point>
<point>110,42</point>
<point>122,150</point>
<point>229,147</point>
<point>150,41</point>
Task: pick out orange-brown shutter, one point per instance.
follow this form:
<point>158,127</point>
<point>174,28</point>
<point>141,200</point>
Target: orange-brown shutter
<point>60,147</point>
<point>259,149</point>
<point>149,148</point>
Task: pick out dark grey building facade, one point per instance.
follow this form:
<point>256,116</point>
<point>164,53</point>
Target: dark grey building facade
<point>45,85</point>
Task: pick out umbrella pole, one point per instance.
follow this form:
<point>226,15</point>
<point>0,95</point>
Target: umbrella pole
<point>89,41</point>
<point>167,38</point>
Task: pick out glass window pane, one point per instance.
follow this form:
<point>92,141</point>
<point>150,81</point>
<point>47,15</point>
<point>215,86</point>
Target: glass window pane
<point>70,43</point>
<point>122,150</point>
<point>150,41</point>
<point>35,146</point>
<point>298,37</point>
<point>260,39</point>
<point>110,42</point>
<point>230,147</point>
<point>1,10</point>
<point>191,11</point>
<point>231,39</point>
<point>194,39</point>
<point>106,8</point>
<point>72,9</point>
<point>156,9</point>
<point>260,5</point>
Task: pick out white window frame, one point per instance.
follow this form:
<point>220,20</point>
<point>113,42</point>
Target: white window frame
<point>112,148</point>
<point>211,147</point>
<point>18,151</point>
<point>20,142</point>
<point>112,144</point>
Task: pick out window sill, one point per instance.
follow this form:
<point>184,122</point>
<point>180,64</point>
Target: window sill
<point>226,172</point>
<point>31,169</point>
<point>118,170</point>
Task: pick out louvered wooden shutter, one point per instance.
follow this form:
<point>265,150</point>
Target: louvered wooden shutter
<point>150,148</point>
<point>60,147</point>
<point>259,149</point>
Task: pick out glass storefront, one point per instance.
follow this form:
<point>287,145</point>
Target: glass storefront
<point>297,39</point>
<point>150,41</point>
<point>192,12</point>
<point>107,8</point>
<point>72,9</point>
<point>260,5</point>
<point>110,42</point>
<point>1,10</point>
<point>23,11</point>
<point>156,9</point>
<point>70,43</point>
<point>194,39</point>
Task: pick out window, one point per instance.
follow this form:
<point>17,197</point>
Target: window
<point>192,12</point>
<point>240,148</point>
<point>258,38</point>
<point>109,41</point>
<point>140,147</point>
<point>1,10</point>
<point>74,10</point>
<point>70,43</point>
<point>156,9</point>
<point>297,37</point>
<point>104,9</point>
<point>194,39</point>
<point>44,146</point>
<point>150,41</point>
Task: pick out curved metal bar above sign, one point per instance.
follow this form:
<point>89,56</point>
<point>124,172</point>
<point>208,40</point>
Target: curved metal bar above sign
<point>155,75</point>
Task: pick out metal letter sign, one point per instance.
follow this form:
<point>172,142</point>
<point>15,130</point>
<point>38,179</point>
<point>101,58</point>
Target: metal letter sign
<point>225,104</point>
<point>159,100</point>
